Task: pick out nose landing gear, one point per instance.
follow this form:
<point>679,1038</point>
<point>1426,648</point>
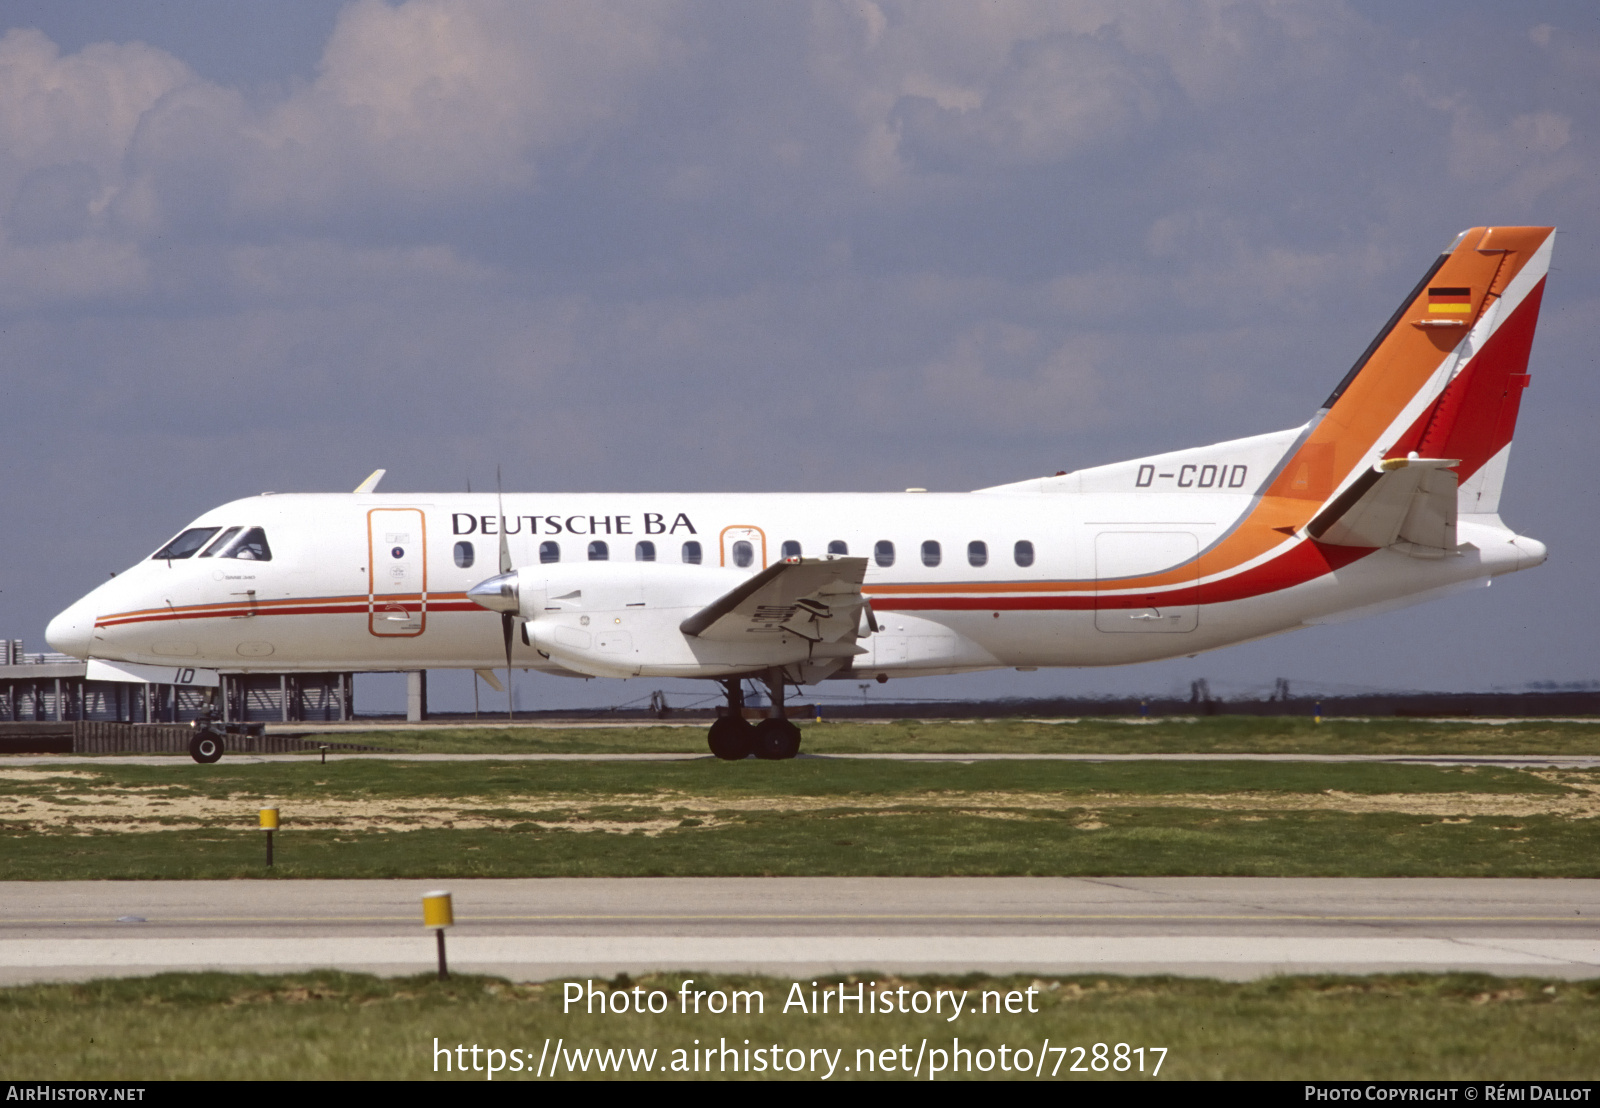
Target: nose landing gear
<point>210,734</point>
<point>774,738</point>
<point>206,746</point>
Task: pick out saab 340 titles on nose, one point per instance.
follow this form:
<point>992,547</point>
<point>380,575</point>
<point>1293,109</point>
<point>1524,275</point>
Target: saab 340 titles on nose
<point>1390,493</point>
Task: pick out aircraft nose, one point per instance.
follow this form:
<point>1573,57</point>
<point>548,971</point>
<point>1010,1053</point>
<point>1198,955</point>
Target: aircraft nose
<point>71,631</point>
<point>498,594</point>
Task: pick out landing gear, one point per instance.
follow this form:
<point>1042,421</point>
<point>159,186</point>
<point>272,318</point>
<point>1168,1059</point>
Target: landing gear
<point>774,738</point>
<point>205,747</point>
<point>732,738</point>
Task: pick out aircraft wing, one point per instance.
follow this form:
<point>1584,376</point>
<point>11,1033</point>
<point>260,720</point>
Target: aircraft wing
<point>817,599</point>
<point>1398,500</point>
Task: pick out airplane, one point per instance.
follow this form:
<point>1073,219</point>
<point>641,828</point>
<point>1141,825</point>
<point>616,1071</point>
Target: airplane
<point>1389,495</point>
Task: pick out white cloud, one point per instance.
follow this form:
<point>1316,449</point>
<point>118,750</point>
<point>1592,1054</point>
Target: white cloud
<point>416,107</point>
<point>81,109</point>
<point>945,84</point>
<point>434,102</point>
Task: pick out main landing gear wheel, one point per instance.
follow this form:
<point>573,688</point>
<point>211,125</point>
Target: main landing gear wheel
<point>205,747</point>
<point>776,739</point>
<point>731,738</point>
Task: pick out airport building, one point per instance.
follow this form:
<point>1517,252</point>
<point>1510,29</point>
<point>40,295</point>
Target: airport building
<point>49,687</point>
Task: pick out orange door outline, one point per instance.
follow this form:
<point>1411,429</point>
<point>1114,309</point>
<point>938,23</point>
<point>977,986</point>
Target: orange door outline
<point>390,614</point>
<point>722,543</point>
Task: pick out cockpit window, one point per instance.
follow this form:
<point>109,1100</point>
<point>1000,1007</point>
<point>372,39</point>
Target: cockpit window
<point>250,547</point>
<point>220,541</point>
<point>185,545</point>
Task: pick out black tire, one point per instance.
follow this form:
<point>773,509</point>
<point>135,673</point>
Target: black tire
<point>205,747</point>
<point>731,739</point>
<point>776,740</point>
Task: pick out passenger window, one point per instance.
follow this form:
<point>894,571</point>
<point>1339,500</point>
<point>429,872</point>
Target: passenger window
<point>464,556</point>
<point>839,547</point>
<point>644,551</point>
<point>185,544</point>
<point>599,551</point>
<point>549,552</point>
<point>250,547</point>
<point>930,553</point>
<point>883,553</point>
<point>743,554</point>
<point>691,553</point>
<point>791,549</point>
<point>977,553</point>
<point>1023,552</point>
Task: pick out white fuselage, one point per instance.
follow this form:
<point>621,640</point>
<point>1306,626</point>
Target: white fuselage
<point>335,596</point>
<point>1390,494</point>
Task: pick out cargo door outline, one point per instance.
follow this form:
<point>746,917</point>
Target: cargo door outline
<point>397,585</point>
<point>1123,555</point>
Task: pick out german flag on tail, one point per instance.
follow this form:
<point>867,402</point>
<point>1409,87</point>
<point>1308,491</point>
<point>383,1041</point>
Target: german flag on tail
<point>1449,300</point>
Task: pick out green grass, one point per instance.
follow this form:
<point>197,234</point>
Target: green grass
<point>373,818</point>
<point>377,777</point>
<point>332,1025</point>
<point>1141,842</point>
<point>1208,735</point>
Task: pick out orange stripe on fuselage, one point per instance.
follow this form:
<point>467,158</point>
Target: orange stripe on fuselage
<point>1306,561</point>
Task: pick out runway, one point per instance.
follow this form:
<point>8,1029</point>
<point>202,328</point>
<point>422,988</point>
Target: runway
<point>1231,928</point>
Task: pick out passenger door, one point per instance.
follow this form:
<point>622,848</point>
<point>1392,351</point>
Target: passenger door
<point>397,572</point>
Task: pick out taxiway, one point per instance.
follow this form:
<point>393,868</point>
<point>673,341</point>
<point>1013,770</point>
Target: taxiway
<point>1231,928</point>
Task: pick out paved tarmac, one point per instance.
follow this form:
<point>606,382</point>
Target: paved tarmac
<point>571,928</point>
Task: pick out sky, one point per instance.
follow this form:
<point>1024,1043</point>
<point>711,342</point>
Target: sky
<point>701,246</point>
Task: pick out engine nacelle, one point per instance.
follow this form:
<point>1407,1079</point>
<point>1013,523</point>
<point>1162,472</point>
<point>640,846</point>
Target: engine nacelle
<point>621,619</point>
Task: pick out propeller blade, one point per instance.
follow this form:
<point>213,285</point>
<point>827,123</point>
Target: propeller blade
<point>505,544</point>
<point>507,619</point>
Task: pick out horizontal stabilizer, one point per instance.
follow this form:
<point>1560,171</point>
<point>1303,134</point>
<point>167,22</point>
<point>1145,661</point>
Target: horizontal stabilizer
<point>818,599</point>
<point>1398,500</point>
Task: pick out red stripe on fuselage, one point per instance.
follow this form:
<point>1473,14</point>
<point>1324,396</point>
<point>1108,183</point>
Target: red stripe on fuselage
<point>1301,563</point>
<point>294,606</point>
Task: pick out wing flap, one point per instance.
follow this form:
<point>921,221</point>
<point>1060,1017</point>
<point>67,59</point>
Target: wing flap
<point>817,599</point>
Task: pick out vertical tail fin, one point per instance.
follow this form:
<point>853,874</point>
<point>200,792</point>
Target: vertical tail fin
<point>1444,377</point>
